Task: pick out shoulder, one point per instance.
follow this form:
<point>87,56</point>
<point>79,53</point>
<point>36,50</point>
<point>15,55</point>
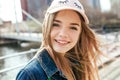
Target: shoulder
<point>32,71</point>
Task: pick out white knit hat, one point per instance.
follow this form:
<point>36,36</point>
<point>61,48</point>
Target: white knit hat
<point>58,5</point>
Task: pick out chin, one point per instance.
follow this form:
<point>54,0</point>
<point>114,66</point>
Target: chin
<point>60,51</point>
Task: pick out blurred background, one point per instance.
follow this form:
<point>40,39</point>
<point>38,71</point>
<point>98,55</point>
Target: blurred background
<point>20,33</point>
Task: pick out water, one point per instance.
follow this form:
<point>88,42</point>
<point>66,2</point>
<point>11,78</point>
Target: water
<point>14,61</point>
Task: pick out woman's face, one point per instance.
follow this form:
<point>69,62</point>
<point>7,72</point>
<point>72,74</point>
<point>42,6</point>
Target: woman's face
<point>65,32</point>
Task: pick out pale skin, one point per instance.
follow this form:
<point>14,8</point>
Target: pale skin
<point>65,31</point>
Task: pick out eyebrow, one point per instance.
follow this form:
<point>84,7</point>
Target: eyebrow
<point>70,23</point>
<point>57,21</point>
<point>74,24</point>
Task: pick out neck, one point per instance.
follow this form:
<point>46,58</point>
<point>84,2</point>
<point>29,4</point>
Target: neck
<point>61,63</point>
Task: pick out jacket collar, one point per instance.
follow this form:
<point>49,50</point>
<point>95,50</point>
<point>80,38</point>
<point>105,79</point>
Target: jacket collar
<point>47,63</point>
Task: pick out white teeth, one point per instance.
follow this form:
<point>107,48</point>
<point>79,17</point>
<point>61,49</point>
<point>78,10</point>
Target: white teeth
<point>62,42</point>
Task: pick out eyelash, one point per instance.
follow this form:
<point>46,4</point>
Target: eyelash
<point>55,25</point>
<point>73,28</point>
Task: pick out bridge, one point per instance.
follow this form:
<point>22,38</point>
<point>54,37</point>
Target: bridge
<point>32,37</point>
<point>23,36</point>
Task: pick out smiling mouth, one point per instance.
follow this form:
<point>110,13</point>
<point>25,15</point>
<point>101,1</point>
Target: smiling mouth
<point>62,42</point>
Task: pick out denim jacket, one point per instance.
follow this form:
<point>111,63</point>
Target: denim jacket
<point>41,67</point>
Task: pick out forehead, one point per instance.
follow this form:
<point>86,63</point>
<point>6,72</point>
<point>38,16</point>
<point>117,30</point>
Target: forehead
<point>68,15</point>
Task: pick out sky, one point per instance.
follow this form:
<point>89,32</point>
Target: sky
<point>105,5</point>
<point>10,10</point>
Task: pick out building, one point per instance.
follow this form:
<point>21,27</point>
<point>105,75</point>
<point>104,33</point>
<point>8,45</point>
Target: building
<point>94,4</point>
<point>36,8</point>
<point>115,7</point>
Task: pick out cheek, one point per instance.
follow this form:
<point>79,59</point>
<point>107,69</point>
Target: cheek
<point>75,37</point>
<point>52,34</point>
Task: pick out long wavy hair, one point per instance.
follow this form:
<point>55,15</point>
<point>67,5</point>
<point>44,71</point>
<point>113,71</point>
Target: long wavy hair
<point>79,63</point>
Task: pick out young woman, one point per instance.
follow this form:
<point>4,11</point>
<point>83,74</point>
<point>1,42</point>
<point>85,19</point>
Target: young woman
<point>69,48</point>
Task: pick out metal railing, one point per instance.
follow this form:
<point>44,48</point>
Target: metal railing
<point>21,53</point>
<point>31,17</point>
<point>26,25</point>
<point>31,51</point>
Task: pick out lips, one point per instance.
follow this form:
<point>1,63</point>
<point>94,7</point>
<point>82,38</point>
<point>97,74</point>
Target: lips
<point>62,42</point>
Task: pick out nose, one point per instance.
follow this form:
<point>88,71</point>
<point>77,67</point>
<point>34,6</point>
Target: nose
<point>63,33</point>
